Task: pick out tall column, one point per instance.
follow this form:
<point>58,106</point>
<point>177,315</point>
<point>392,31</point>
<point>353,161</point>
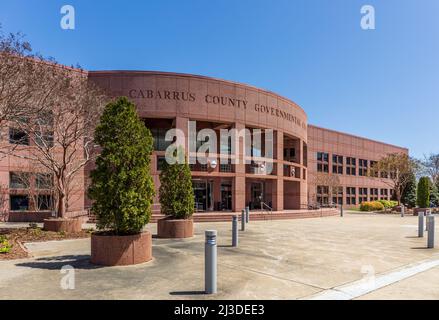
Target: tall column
<point>278,184</point>
<point>239,181</point>
<point>303,202</point>
<point>181,123</point>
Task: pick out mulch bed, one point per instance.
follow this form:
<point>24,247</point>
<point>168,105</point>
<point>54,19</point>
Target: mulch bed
<point>17,238</point>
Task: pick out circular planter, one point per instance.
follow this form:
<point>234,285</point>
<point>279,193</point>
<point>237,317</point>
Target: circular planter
<point>63,225</point>
<point>111,250</point>
<point>175,228</point>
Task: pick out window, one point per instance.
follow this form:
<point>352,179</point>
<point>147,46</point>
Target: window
<point>384,174</point>
<point>159,139</point>
<point>45,202</point>
<point>44,139</point>
<point>289,154</point>
<point>373,194</point>
<point>362,171</point>
<point>351,196</point>
<point>337,195</point>
<point>374,172</point>
<point>45,118</point>
<point>44,181</point>
<point>323,195</point>
<point>160,163</point>
<point>363,195</point>
<point>322,162</point>
<point>17,136</point>
<point>225,168</point>
<point>337,164</point>
<point>19,180</point>
<point>351,166</point>
<point>19,203</point>
<point>225,165</point>
<point>384,193</point>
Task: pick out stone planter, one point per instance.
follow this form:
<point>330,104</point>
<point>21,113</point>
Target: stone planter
<point>175,228</point>
<point>63,225</point>
<point>417,210</point>
<point>111,250</point>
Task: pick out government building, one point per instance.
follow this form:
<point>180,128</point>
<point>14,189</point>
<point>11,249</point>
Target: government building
<point>302,157</point>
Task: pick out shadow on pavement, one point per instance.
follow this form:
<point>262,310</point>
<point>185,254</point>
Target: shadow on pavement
<point>56,263</point>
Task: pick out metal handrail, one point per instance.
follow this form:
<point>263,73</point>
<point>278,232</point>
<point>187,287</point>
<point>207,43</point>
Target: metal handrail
<point>263,204</point>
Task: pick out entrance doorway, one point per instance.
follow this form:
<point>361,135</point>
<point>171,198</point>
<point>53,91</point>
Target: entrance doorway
<point>226,196</point>
<point>257,195</point>
<point>202,195</point>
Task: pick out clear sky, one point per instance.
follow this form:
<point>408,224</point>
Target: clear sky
<point>382,84</point>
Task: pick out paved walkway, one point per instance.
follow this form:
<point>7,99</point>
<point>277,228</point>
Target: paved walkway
<point>367,256</point>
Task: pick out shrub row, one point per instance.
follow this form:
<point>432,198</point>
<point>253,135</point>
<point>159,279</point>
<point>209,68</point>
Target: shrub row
<point>371,206</point>
<point>389,204</point>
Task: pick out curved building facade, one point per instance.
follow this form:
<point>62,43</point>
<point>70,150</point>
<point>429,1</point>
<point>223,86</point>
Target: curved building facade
<point>180,101</point>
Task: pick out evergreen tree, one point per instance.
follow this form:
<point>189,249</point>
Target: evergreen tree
<point>434,195</point>
<point>423,194</point>
<point>176,193</point>
<point>122,187</point>
<point>409,194</point>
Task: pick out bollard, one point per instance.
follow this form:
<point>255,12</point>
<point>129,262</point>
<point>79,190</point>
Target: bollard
<point>420,224</point>
<point>243,220</point>
<point>341,210</point>
<point>430,239</point>
<point>235,231</point>
<point>210,262</point>
<point>247,214</point>
<point>427,216</point>
<point>402,211</point>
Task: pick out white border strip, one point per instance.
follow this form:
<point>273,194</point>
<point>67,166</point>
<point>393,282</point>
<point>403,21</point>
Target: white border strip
<point>364,286</point>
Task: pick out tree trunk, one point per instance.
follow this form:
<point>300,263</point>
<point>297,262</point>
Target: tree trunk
<point>61,205</point>
<point>398,195</point>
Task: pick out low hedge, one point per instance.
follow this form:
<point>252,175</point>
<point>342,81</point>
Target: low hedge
<point>371,206</point>
<point>389,204</point>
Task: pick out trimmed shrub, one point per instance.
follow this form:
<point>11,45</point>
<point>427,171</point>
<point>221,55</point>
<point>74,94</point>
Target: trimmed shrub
<point>122,187</point>
<point>176,193</point>
<point>423,195</point>
<point>371,206</point>
<point>388,204</point>
<point>5,246</point>
<point>408,196</point>
<point>434,195</point>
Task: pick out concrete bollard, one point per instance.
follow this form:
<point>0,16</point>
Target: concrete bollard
<point>420,224</point>
<point>210,262</point>
<point>243,220</point>
<point>247,214</point>
<point>430,239</point>
<point>427,216</point>
<point>235,231</point>
<point>402,211</point>
<point>341,211</point>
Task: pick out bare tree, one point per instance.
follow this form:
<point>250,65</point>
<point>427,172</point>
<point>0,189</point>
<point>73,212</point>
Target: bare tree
<point>4,202</point>
<point>37,184</point>
<point>61,137</point>
<point>395,170</point>
<point>25,85</point>
<point>431,167</point>
<point>331,181</point>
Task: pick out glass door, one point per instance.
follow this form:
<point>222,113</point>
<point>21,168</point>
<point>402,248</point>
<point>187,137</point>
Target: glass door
<point>226,196</point>
<point>257,194</point>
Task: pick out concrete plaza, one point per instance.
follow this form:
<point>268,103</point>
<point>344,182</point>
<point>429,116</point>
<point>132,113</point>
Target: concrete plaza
<point>359,256</point>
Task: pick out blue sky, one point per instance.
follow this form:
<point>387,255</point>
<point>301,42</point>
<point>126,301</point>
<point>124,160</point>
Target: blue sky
<point>382,83</point>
